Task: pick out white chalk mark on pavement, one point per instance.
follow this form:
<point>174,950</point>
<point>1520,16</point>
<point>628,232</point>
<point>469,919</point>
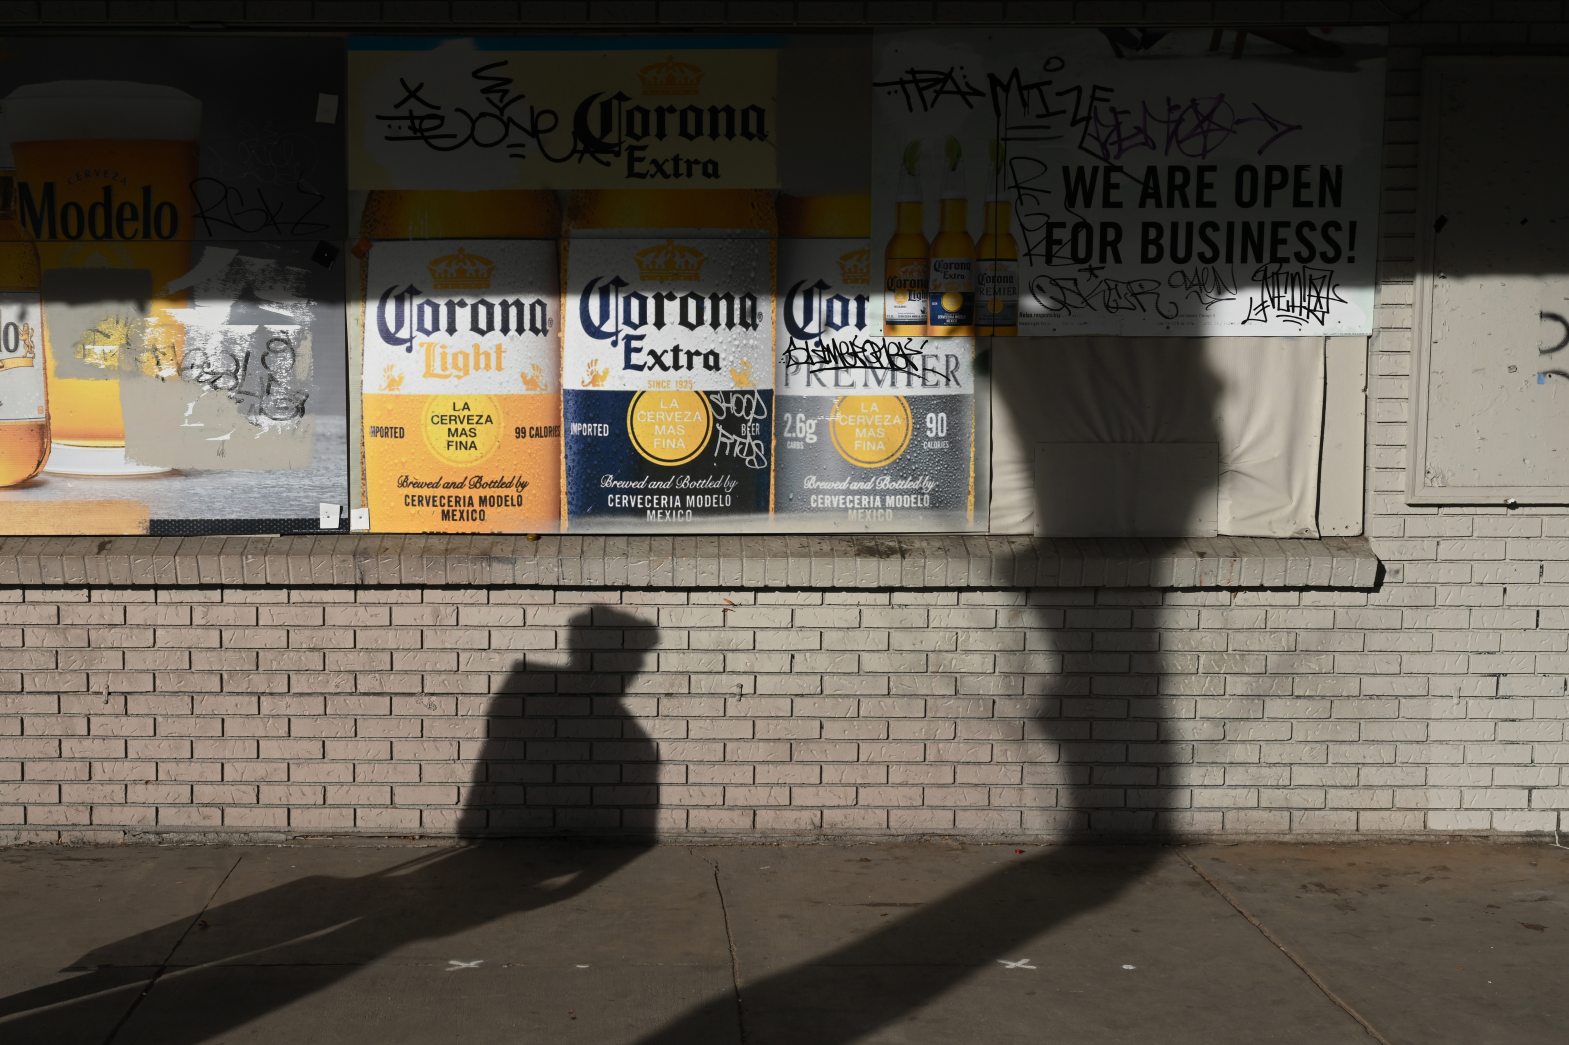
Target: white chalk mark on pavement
<point>1022,963</point>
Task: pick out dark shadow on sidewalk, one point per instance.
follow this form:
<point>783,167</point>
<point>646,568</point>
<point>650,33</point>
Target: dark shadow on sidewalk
<point>561,756</point>
<point>1107,752</point>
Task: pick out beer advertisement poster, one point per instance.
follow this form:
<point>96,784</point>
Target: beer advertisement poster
<point>1128,181</point>
<point>563,113</point>
<point>175,235</point>
<point>872,433</point>
<point>667,374</point>
<point>461,399</point>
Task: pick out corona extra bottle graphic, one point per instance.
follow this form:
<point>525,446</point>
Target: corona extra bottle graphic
<point>460,357</point>
<point>871,433</point>
<point>907,258</point>
<point>997,274</point>
<point>24,409</point>
<point>668,358</point>
<point>103,176</point>
<point>951,294</point>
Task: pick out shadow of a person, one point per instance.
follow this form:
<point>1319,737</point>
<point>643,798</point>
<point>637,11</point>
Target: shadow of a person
<point>561,755</point>
<point>1103,717</point>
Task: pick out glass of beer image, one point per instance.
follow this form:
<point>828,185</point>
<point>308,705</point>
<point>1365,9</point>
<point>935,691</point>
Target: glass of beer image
<point>103,175</point>
<point>24,413</point>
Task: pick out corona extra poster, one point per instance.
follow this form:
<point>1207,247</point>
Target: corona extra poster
<point>667,368</point>
<point>562,113</point>
<point>460,390</point>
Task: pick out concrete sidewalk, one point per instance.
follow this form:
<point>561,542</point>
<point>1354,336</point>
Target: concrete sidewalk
<point>784,944</point>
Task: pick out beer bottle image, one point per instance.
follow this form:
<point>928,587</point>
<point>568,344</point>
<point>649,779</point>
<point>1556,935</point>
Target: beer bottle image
<point>667,364</point>
<point>24,408</point>
<point>103,176</point>
<point>460,380</point>
<point>907,258</point>
<point>885,444</point>
<point>951,294</point>
<point>997,275</point>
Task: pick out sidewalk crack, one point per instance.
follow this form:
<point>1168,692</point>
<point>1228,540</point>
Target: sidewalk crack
<point>1295,959</point>
<point>735,959</point>
<point>169,958</point>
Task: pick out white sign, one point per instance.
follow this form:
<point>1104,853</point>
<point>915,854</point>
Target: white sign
<point>1147,182</point>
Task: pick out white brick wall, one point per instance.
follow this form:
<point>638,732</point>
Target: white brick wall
<point>1025,714</point>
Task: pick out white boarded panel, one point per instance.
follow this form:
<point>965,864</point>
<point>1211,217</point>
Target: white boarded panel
<point>1261,400</point>
<point>1343,468</point>
<point>1491,388</point>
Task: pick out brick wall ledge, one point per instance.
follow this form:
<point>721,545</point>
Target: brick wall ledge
<point>570,561</point>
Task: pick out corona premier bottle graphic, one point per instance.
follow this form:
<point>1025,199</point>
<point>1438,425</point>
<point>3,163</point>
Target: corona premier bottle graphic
<point>951,296</point>
<point>907,258</point>
<point>668,358</point>
<point>460,362</point>
<point>103,176</point>
<point>871,433</point>
<point>24,410</point>
<point>997,275</point>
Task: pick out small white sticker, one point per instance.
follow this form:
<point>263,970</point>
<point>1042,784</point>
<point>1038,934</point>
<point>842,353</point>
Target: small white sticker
<point>330,514</point>
<point>359,519</point>
<point>326,108</point>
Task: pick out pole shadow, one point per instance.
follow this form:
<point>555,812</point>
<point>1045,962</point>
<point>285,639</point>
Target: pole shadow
<point>561,757</point>
<point>1117,782</point>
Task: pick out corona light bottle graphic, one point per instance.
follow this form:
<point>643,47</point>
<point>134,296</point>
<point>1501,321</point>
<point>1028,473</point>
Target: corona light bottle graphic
<point>997,274</point>
<point>907,258</point>
<point>103,176</point>
<point>871,432</point>
<point>951,296</point>
<point>668,358</point>
<point>461,375</point>
<point>24,409</point>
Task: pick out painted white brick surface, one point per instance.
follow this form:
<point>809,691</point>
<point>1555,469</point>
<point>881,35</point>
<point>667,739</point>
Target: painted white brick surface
<point>985,713</point>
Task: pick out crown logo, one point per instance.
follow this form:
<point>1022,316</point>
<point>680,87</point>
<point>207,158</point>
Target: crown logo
<point>670,261</point>
<point>670,77</point>
<point>856,266</point>
<point>461,271</point>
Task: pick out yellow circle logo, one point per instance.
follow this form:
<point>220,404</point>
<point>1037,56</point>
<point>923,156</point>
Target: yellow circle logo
<point>870,431</point>
<point>900,297</point>
<point>952,301</point>
<point>462,429</point>
<point>669,428</point>
<point>994,305</point>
